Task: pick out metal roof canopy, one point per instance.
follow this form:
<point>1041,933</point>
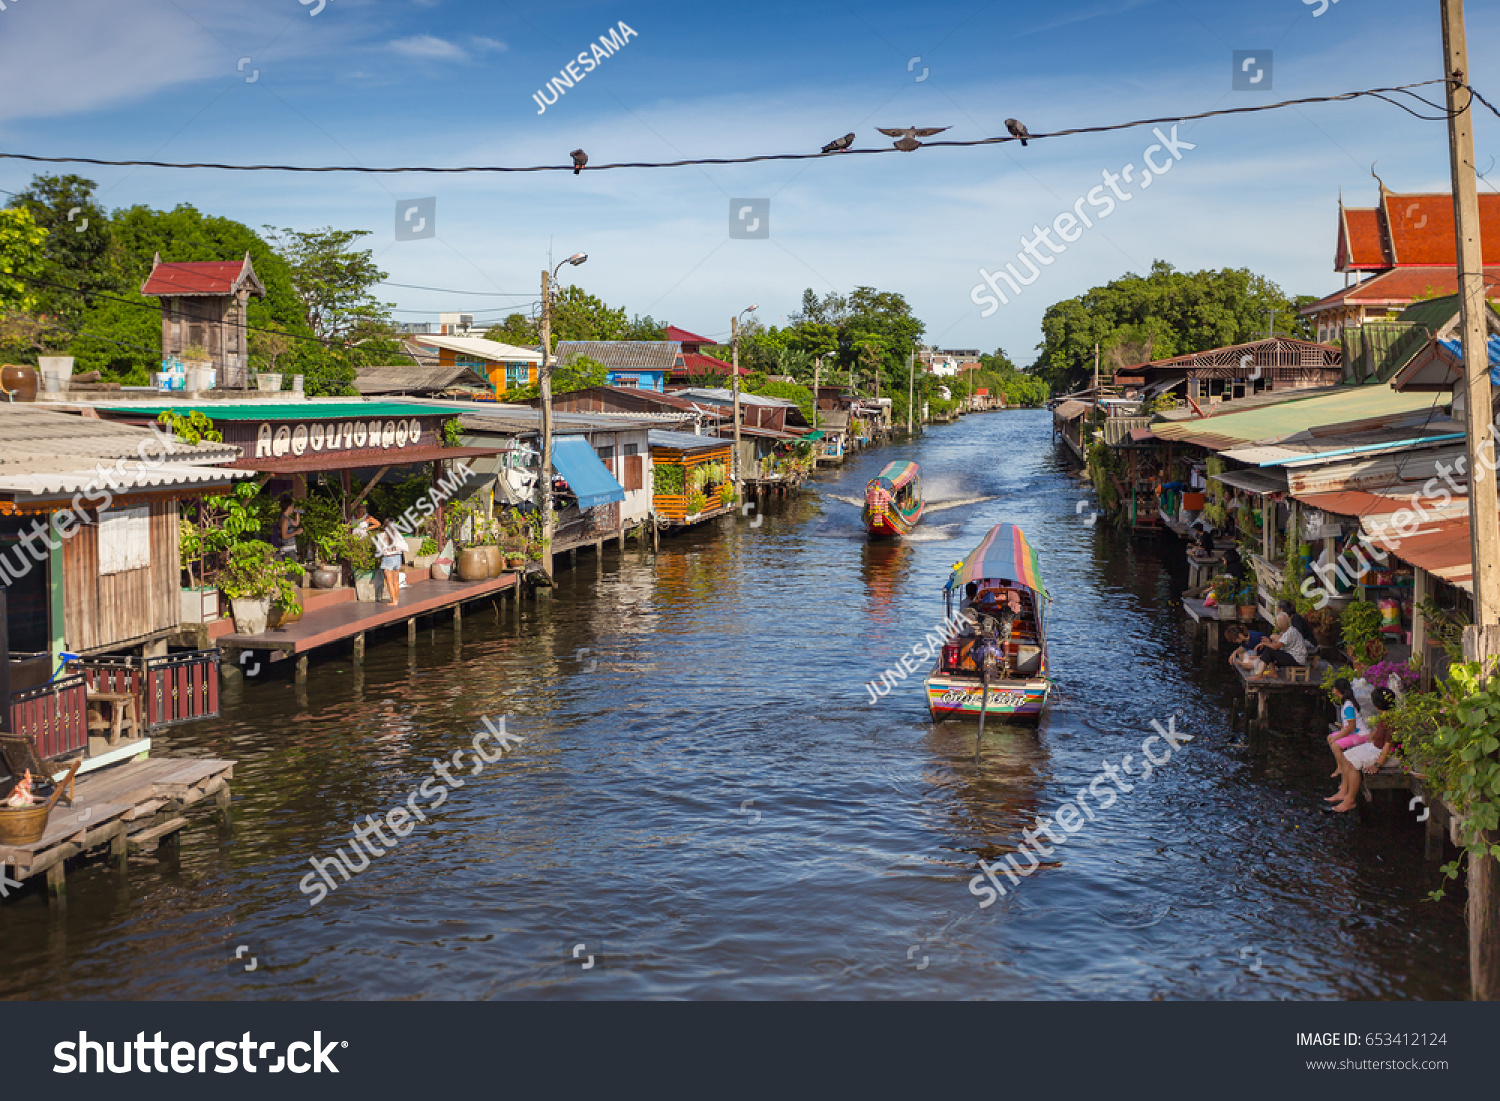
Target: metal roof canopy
<point>1352,409</point>
<point>686,441</point>
<point>586,476</point>
<point>312,409</point>
<point>1259,482</point>
<point>367,460</point>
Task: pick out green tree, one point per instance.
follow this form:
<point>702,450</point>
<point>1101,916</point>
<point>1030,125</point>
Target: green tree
<point>332,279</point>
<point>79,262</point>
<point>517,330</point>
<point>22,257</point>
<point>1165,313</point>
<point>578,373</point>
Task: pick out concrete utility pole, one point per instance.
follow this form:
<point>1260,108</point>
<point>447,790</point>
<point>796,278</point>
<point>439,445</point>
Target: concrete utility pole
<point>817,371</point>
<point>734,340</point>
<point>1096,371</point>
<point>544,378</point>
<point>1479,640</point>
<point>911,385</point>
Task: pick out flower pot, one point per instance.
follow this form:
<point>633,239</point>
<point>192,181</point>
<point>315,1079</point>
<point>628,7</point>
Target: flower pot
<point>473,564</point>
<point>268,382</point>
<point>57,372</point>
<point>495,560</point>
<point>1226,611</point>
<point>19,382</point>
<point>282,617</point>
<point>441,569</point>
<point>250,614</point>
<point>1247,613</point>
<point>515,561</point>
<point>199,605</point>
<point>324,577</point>
<point>423,561</point>
<point>364,585</point>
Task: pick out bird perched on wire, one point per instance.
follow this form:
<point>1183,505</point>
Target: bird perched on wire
<point>910,135</point>
<point>580,158</point>
<point>1017,129</point>
<point>838,145</point>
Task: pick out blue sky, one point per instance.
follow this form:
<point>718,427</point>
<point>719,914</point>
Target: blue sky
<point>449,82</point>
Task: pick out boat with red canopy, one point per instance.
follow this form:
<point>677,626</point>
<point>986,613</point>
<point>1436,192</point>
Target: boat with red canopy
<point>1006,609</point>
<point>893,500</point>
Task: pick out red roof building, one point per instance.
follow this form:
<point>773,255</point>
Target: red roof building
<point>1406,245</point>
<point>204,305</point>
<point>695,363</point>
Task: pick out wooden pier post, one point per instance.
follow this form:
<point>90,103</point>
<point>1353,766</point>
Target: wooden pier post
<point>229,665</point>
<point>301,667</point>
<point>222,801</point>
<point>119,849</point>
<point>57,884</point>
<point>359,648</point>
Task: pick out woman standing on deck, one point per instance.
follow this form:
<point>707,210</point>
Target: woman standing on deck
<point>392,550</point>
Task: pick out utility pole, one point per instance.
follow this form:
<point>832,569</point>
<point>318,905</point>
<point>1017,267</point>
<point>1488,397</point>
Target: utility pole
<point>911,385</point>
<point>545,380</point>
<point>1480,641</point>
<point>1096,371</point>
<point>817,371</point>
<point>734,341</point>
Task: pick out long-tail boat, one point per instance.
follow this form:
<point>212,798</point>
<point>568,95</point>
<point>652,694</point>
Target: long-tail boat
<point>893,500</point>
<point>1006,633</point>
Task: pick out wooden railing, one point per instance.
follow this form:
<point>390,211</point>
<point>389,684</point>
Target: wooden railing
<point>55,715</point>
<point>181,688</point>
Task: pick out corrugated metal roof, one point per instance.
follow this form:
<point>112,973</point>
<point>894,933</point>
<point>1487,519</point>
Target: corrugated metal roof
<point>1070,410</point>
<point>477,346</point>
<point>686,441</point>
<point>519,419</point>
<point>1119,430</point>
<point>409,379</point>
<point>1357,407</point>
<point>1399,473</point>
<point>312,409</point>
<point>661,355</point>
<point>39,438</point>
<point>129,474</point>
<point>1308,448</point>
<point>1254,401</point>
<point>1254,481</point>
<point>726,397</point>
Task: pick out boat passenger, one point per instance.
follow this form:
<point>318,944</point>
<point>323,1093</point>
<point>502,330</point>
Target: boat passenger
<point>1287,647</point>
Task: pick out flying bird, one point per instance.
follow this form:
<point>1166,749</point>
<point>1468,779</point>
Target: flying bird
<point>1017,130</point>
<point>580,158</point>
<point>910,135</point>
<point>838,145</point>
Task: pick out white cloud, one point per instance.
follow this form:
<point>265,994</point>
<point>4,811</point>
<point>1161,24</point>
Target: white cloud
<point>480,42</point>
<point>427,47</point>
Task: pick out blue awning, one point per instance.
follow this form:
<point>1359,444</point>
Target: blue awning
<point>587,477</point>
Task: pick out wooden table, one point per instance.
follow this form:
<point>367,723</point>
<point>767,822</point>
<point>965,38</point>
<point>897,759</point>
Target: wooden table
<point>121,712</point>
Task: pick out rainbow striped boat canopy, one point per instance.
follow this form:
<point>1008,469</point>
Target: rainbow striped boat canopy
<point>1004,552</point>
<point>897,474</point>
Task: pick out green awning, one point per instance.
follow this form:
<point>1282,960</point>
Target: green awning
<point>286,410</point>
<point>815,434</point>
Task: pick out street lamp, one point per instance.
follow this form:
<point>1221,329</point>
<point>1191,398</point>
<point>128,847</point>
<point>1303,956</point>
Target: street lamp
<point>734,327</point>
<point>545,379</point>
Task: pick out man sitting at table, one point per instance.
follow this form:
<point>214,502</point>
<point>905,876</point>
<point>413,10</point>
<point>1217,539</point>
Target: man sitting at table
<point>1286,647</point>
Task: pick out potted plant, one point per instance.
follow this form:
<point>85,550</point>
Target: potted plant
<point>198,365</point>
<point>427,553</point>
<point>359,553</point>
<point>696,503</point>
<point>251,578</point>
<point>285,606</point>
<point>1247,605</point>
<point>1359,625</point>
<point>1224,590</point>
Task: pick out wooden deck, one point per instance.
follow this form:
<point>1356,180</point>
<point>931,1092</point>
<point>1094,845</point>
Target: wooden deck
<point>1198,613</point>
<point>132,807</point>
<point>1260,690</point>
<point>354,618</point>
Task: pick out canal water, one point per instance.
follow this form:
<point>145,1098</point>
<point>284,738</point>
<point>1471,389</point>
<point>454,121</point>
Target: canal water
<point>706,802</point>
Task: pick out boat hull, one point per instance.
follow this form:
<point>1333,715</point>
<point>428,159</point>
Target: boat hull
<point>954,697</point>
<point>888,520</point>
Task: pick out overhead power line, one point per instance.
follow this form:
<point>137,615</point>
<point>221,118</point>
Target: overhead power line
<point>1377,93</point>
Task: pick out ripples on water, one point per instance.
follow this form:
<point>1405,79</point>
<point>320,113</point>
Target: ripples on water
<point>707,799</point>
